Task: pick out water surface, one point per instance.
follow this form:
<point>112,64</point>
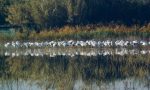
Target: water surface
<point>75,69</point>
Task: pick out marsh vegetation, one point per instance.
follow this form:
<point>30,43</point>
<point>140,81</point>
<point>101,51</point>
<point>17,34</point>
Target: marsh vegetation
<point>74,45</point>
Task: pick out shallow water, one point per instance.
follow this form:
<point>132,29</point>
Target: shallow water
<point>75,69</point>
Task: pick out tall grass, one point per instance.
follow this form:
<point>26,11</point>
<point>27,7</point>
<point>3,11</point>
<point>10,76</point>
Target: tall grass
<point>81,33</point>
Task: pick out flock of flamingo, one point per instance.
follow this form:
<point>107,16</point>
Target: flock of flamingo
<point>54,45</point>
<point>70,43</point>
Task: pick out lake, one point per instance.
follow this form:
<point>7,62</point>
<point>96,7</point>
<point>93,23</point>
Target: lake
<point>75,69</point>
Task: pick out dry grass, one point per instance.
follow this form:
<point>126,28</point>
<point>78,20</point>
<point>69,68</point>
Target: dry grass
<point>82,33</point>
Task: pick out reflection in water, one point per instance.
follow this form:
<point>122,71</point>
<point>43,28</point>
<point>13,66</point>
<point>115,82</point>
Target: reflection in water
<point>53,52</point>
<point>128,84</point>
<point>112,72</point>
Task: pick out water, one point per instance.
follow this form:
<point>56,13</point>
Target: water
<point>65,69</point>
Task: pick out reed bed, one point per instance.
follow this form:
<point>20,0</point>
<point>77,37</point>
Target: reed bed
<point>81,33</point>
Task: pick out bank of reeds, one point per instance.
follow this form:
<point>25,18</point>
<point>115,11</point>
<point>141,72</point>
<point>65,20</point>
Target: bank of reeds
<point>97,32</point>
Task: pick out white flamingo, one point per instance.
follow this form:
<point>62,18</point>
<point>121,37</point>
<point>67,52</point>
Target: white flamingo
<point>143,43</point>
<point>7,44</point>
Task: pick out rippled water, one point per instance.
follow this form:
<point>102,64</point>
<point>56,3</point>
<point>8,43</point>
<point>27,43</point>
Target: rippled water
<point>75,69</point>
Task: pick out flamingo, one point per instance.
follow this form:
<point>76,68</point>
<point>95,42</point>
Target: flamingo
<point>7,44</point>
<point>119,43</point>
<point>126,43</point>
<point>134,43</point>
<point>13,44</point>
<point>143,43</point>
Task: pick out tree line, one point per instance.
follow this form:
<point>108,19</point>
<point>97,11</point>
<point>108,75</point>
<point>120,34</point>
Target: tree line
<point>53,13</point>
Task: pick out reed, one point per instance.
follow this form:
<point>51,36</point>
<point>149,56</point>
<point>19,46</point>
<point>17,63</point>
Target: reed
<point>81,33</point>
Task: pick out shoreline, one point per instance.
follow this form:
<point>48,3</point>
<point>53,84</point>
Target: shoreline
<point>78,33</point>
